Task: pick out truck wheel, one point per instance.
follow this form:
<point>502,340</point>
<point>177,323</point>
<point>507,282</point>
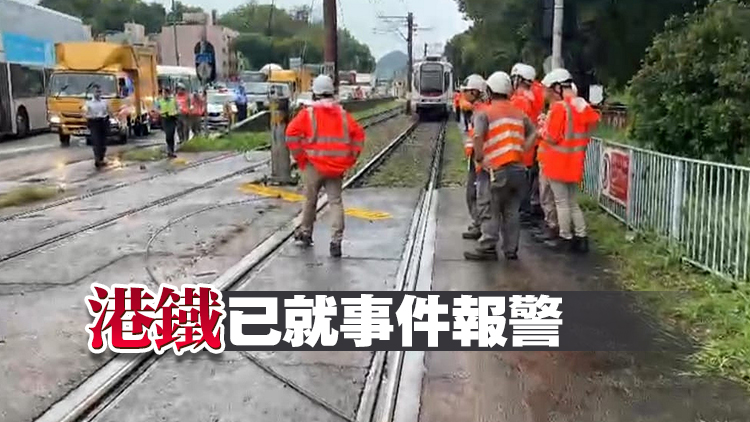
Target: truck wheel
<point>64,140</point>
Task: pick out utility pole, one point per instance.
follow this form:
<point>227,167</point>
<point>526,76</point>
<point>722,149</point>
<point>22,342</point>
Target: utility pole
<point>409,38</point>
<point>425,49</point>
<point>410,48</point>
<point>174,32</point>
<point>331,45</point>
<point>557,34</point>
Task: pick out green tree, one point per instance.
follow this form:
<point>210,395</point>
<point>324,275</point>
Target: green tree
<point>692,96</point>
<point>604,40</point>
<point>272,35</point>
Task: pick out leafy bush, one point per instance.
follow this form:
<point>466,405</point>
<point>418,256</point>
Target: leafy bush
<point>692,95</point>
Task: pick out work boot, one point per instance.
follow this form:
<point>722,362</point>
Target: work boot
<point>473,233</point>
<point>548,233</point>
<point>171,155</point>
<point>511,256</point>
<point>305,240</point>
<point>336,250</point>
<point>560,244</point>
<point>481,255</point>
<point>100,164</point>
<point>581,244</point>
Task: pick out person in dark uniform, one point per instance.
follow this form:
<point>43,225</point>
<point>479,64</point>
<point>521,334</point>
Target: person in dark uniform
<point>167,106</point>
<point>97,117</point>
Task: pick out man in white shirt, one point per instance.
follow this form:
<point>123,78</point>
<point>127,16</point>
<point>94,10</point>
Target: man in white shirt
<point>97,115</point>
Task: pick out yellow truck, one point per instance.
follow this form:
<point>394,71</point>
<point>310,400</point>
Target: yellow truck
<point>126,75</point>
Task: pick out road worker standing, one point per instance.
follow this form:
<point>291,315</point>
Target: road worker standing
<point>167,106</point>
<point>474,93</point>
<point>325,141</point>
<point>183,110</point>
<point>567,134</point>
<point>523,76</point>
<point>465,102</point>
<point>197,112</point>
<point>502,133</point>
<point>457,104</point>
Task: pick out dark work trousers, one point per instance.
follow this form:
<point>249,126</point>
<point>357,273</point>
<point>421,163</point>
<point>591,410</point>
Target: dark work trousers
<point>500,221</point>
<point>170,125</point>
<point>457,110</point>
<point>98,129</point>
<point>467,118</point>
<point>183,127</point>
<point>241,112</point>
<point>530,203</point>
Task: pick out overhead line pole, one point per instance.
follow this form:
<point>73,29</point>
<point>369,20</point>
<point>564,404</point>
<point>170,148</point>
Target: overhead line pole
<point>410,48</point>
<point>557,34</point>
<point>174,33</point>
<point>331,45</point>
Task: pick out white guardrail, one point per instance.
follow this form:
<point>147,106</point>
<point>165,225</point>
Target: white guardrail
<point>701,207</point>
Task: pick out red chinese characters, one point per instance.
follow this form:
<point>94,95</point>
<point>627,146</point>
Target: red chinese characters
<point>131,319</point>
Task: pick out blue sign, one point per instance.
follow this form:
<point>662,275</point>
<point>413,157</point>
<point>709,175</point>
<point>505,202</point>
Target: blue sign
<point>204,58</point>
<point>27,50</point>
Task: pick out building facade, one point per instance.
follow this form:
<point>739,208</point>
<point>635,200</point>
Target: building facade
<point>189,33</point>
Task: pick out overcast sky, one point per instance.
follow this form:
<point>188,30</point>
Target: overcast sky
<point>440,18</point>
<point>360,17</point>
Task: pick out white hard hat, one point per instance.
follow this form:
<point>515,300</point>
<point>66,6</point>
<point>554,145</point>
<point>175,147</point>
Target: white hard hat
<point>499,83</point>
<point>524,71</point>
<point>475,82</point>
<point>322,85</point>
<point>557,76</point>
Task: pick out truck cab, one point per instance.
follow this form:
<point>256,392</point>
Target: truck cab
<point>126,75</point>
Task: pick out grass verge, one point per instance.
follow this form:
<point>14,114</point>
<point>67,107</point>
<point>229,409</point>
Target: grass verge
<point>454,161</point>
<point>714,312</point>
<point>26,195</point>
<point>143,154</point>
<point>364,114</point>
<point>239,141</point>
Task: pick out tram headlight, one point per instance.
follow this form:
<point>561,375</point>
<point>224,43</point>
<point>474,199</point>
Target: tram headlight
<point>53,119</point>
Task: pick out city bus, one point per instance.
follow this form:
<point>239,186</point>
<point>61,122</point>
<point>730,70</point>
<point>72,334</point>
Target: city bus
<point>28,34</point>
<point>170,76</point>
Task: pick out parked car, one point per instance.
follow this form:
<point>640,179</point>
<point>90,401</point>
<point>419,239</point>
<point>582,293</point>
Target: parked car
<point>220,109</point>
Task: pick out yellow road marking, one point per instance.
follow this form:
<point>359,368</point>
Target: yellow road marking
<point>180,161</point>
<point>274,192</point>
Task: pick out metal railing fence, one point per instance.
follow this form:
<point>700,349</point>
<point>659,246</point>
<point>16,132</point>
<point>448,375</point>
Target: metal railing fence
<point>701,207</point>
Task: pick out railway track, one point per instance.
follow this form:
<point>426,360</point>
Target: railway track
<point>379,398</point>
<point>373,120</point>
<point>369,122</point>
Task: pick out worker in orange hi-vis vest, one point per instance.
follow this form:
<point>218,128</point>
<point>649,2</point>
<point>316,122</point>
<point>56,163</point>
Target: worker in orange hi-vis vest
<point>566,136</point>
<point>325,141</point>
<point>197,112</point>
<point>523,77</point>
<point>183,108</point>
<point>502,134</point>
<point>475,94</point>
<point>457,104</point>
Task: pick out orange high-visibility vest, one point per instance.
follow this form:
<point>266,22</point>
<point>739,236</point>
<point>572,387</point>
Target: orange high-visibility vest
<point>524,101</point>
<point>197,106</point>
<point>567,135</point>
<point>464,103</point>
<point>504,141</point>
<point>469,141</point>
<point>327,137</point>
<point>183,103</point>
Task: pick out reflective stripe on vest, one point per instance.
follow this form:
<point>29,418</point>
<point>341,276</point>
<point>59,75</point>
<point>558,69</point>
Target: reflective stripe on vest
<point>504,140</point>
<point>564,160</point>
<point>329,140</point>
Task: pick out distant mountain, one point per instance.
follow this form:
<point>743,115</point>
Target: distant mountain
<point>390,64</point>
